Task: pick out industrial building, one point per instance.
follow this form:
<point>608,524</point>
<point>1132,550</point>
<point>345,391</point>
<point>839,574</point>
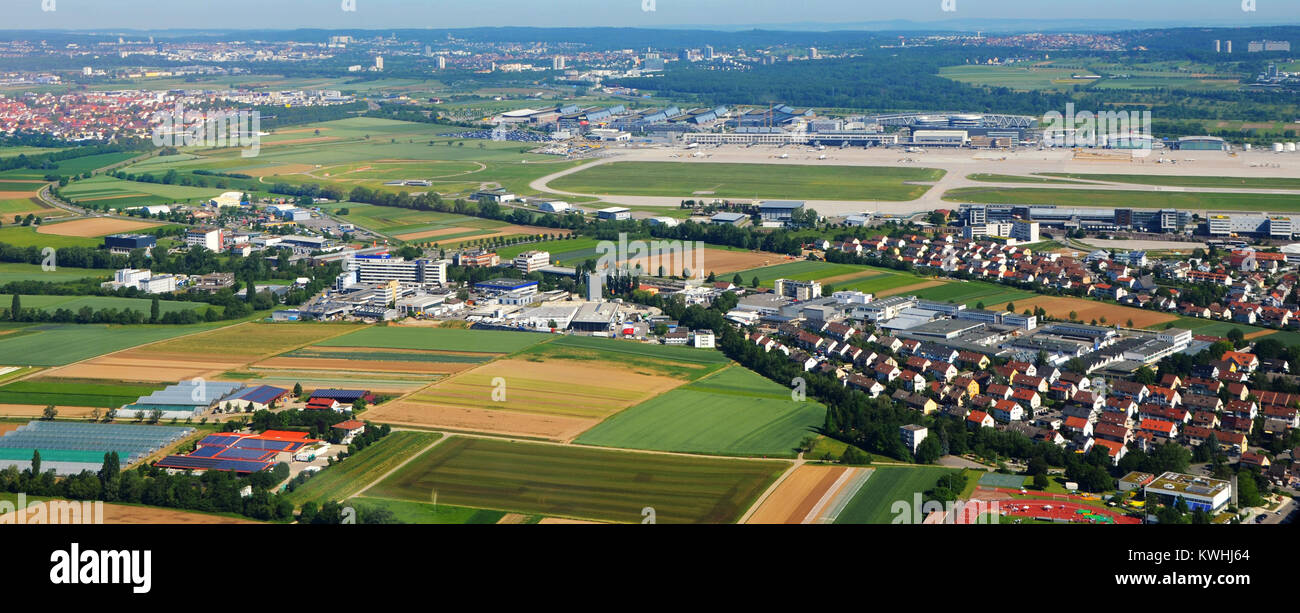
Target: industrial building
<point>239,453</point>
<point>1266,225</point>
<point>799,290</point>
<point>532,261</point>
<point>1200,493</point>
<point>183,400</point>
<point>123,244</point>
<point>384,268</point>
<point>1147,220</point>
<point>614,213</point>
<point>779,210</point>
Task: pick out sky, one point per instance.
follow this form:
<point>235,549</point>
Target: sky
<point>379,14</point>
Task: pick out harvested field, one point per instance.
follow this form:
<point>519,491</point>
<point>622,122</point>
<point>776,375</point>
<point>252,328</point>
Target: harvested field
<point>503,231</point>
<point>563,521</point>
<point>8,427</point>
<point>283,169</point>
<point>94,227</point>
<point>35,411</point>
<point>132,514</point>
<point>531,387</point>
<point>893,291</point>
<point>250,340</point>
<point>142,365</point>
<point>470,419</point>
<point>800,494</point>
<point>291,363</point>
<point>1088,310</point>
<point>1262,333</point>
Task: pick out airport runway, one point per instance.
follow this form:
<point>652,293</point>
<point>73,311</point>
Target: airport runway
<point>959,163</point>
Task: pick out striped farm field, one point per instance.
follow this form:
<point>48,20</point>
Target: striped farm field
<point>733,412</point>
<point>59,344</point>
<point>427,513</point>
<point>581,483</point>
<point>96,227</point>
<point>341,481</point>
<point>522,396</point>
<point>359,360</point>
<point>436,339</point>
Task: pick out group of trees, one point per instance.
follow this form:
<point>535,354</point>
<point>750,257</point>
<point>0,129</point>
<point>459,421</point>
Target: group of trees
<point>212,492</point>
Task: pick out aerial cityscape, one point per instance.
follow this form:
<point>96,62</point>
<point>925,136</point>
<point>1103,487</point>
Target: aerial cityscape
<point>359,265</point>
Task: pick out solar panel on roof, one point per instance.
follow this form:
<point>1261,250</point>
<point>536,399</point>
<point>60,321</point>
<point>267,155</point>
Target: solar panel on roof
<point>257,443</point>
<point>218,440</point>
<point>236,453</point>
<point>207,451</point>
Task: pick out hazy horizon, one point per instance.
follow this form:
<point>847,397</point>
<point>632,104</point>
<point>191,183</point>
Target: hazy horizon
<point>100,15</point>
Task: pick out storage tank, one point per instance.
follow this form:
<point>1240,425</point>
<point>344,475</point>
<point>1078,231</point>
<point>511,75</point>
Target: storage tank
<point>1290,147</point>
<point>1247,145</point>
<point>1278,148</point>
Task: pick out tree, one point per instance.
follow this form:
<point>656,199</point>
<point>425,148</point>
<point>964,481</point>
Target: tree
<point>154,310</point>
<point>1074,315</point>
<point>737,280</point>
<point>1041,481</point>
<point>16,307</point>
<point>1011,306</point>
<point>36,462</point>
<point>1145,376</point>
<point>754,282</point>
<point>297,390</point>
<point>50,412</point>
<point>1235,335</point>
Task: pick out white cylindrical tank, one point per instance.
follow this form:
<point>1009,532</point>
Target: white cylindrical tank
<point>1278,148</point>
<point>1290,147</point>
<point>1247,145</point>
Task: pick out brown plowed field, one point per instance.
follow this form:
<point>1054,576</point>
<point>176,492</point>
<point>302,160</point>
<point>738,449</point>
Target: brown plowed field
<point>98,226</point>
<point>1088,310</point>
<point>432,368</point>
<point>496,421</point>
<point>796,497</point>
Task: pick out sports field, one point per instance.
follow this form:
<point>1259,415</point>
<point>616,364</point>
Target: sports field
<point>1126,198</point>
<point>581,483</point>
<point>873,504</point>
<point>341,481</point>
<point>750,181</point>
<point>436,339</point>
<point>733,412</point>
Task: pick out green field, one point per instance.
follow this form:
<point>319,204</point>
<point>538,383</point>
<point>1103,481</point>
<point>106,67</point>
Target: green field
<point>439,339</point>
<point>996,178</point>
<point>873,504</point>
<point>60,344</point>
<point>733,412</point>
<point>1020,77</point>
<point>581,483</point>
<point>971,293</point>
<point>118,194</point>
<point>679,179</point>
<point>807,270</point>
<point>1125,198</point>
<point>880,283</point>
<point>1210,327</point>
<point>10,272</point>
<point>427,513</point>
<point>630,350</point>
<point>75,393</point>
<point>341,481</point>
<point>388,356</point>
<point>26,236</point>
<point>563,250</point>
<point>1176,181</point>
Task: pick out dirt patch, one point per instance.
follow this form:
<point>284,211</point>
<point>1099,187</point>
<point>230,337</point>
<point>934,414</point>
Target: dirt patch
<point>1088,310</point>
<point>564,521</point>
<point>36,411</point>
<point>88,228</point>
<point>8,427</point>
<point>1262,333</point>
<point>513,518</point>
<point>468,419</point>
<point>130,514</point>
<point>798,494</point>
<point>415,236</point>
<point>375,366</point>
<point>16,195</point>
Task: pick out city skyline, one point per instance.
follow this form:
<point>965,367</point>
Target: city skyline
<point>723,14</point>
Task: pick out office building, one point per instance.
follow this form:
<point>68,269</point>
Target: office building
<point>799,290</point>
<point>531,261</point>
<point>384,268</point>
